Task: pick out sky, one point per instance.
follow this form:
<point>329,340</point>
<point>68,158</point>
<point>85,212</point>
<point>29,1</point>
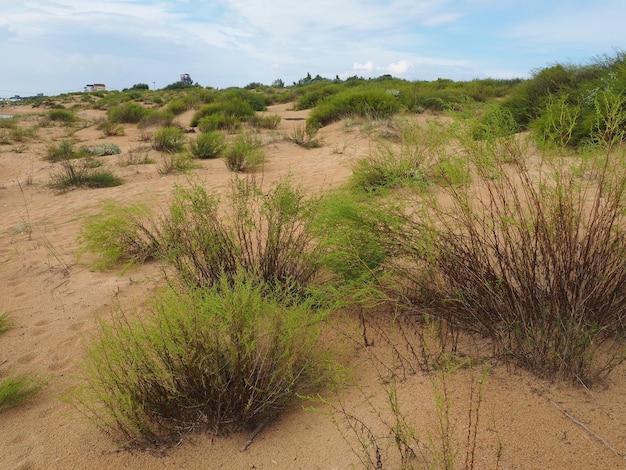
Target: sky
<point>59,46</point>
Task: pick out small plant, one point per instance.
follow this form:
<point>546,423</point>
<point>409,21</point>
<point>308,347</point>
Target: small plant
<point>171,162</point>
<point>128,113</point>
<point>101,150</point>
<point>63,151</point>
<point>16,389</point>
<point>207,145</point>
<point>265,122</point>
<point>137,156</point>
<point>62,115</point>
<point>110,129</point>
<point>5,322</point>
<point>219,359</point>
<point>80,174</point>
<point>121,234</point>
<point>244,154</point>
<point>169,139</point>
<point>304,136</point>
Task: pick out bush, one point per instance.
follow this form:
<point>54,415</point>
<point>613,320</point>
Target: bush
<point>265,122</point>
<point>244,154</point>
<point>207,145</point>
<point>536,263</point>
<point>81,174</point>
<point>169,139</point>
<point>16,389</point>
<point>63,151</point>
<point>128,113</point>
<point>121,234</point>
<point>62,115</point>
<point>219,359</point>
<point>266,234</point>
<point>101,150</point>
<point>375,104</point>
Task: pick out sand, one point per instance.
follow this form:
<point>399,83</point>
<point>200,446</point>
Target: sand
<point>54,300</point>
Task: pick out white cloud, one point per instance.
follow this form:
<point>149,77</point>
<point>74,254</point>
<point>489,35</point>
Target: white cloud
<point>399,68</point>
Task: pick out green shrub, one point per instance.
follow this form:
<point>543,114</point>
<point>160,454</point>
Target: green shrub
<point>154,117</point>
<point>128,113</point>
<point>375,104</point>
<point>121,234</point>
<point>265,122</point>
<point>266,234</point>
<point>5,323</point>
<point>101,150</point>
<point>243,154</point>
<point>110,129</point>
<point>16,389</point>
<point>63,151</point>
<point>80,174</point>
<point>236,109</point>
<point>506,262</point>
<point>207,145</point>
<point>169,139</point>
<point>219,359</point>
<point>62,115</point>
<point>177,106</point>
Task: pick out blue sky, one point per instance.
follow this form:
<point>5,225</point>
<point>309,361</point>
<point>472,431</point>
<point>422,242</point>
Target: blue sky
<point>58,46</point>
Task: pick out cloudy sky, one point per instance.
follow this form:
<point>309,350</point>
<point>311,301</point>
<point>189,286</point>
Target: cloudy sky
<point>57,46</point>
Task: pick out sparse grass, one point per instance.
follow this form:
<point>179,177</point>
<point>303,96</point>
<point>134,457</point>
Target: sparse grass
<point>136,156</point>
<point>265,121</point>
<point>5,322</point>
<point>64,116</point>
<point>110,129</point>
<point>304,136</point>
<point>63,151</point>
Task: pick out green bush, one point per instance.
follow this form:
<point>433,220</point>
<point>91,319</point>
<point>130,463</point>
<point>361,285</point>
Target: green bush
<point>16,389</point>
<point>121,234</point>
<point>62,115</point>
<point>128,113</point>
<point>265,233</point>
<point>63,151</point>
<point>218,359</point>
<point>505,262</point>
<point>236,109</point>
<point>374,104</point>
<point>154,117</point>
<point>207,145</point>
<point>243,154</point>
<point>80,174</point>
<point>219,121</point>
<point>101,150</point>
<point>265,122</point>
<point>170,139</point>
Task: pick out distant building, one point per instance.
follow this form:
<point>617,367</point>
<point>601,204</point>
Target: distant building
<point>96,87</point>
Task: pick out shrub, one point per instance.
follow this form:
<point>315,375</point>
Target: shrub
<point>177,106</point>
<point>376,104</point>
<point>207,145</point>
<point>169,139</point>
<point>128,113</point>
<point>121,234</point>
<point>536,263</point>
<point>62,115</point>
<point>154,117</point>
<point>244,154</point>
<point>110,129</point>
<point>63,151</point>
<point>265,122</point>
<point>266,234</point>
<point>219,359</point>
<point>305,137</point>
<point>101,150</point>
<point>16,389</point>
<point>81,174</point>
<point>235,108</point>
<point>219,121</point>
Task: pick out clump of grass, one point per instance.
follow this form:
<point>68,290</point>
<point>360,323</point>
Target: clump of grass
<point>101,150</point>
<point>136,156</point>
<point>63,151</point>
<point>171,162</point>
<point>244,153</point>
<point>219,359</point>
<point>5,322</point>
<point>304,136</point>
<point>110,129</point>
<point>169,139</point>
<point>62,115</point>
<point>265,121</point>
<point>16,389</point>
<point>81,175</point>
<point>207,145</point>
<point>121,234</point>
<point>128,113</point>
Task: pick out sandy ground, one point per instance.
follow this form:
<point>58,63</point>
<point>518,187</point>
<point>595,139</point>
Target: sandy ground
<point>54,300</point>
